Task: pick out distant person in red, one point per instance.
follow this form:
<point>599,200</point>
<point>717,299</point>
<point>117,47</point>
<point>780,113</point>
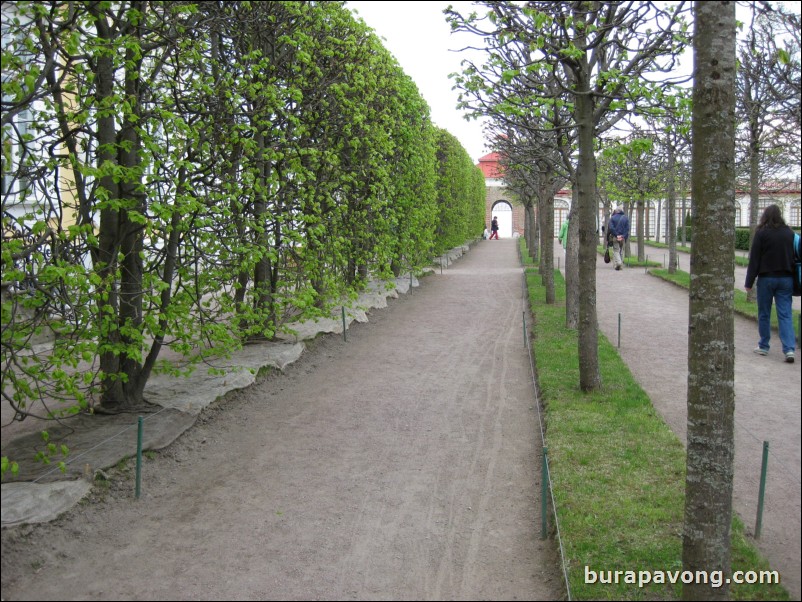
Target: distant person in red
<point>494,229</point>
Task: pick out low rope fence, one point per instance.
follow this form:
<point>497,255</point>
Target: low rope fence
<point>546,482</point>
<point>139,424</point>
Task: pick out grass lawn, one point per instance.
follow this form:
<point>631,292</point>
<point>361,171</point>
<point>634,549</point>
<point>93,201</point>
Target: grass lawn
<point>740,304</point>
<point>738,259</point>
<point>617,470</point>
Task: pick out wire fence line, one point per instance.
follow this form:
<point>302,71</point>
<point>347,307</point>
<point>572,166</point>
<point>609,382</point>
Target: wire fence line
<point>73,459</point>
<point>543,439</point>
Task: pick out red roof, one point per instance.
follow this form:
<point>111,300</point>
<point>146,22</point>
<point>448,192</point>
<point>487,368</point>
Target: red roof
<point>489,164</point>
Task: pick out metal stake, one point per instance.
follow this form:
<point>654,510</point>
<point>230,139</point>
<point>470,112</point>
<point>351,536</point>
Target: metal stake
<point>544,496</point>
<point>762,491</point>
<point>140,428</point>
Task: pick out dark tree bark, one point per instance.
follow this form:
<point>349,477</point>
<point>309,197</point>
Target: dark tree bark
<point>711,394</point>
<point>120,238</point>
<point>546,213</point>
<point>572,267</point>
<point>671,203</point>
<point>588,339</point>
<point>531,230</point>
<point>640,207</point>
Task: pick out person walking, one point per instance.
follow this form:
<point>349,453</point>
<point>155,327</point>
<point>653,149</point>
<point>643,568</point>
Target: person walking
<point>563,235</point>
<point>618,232</point>
<point>494,228</point>
<point>771,261</point>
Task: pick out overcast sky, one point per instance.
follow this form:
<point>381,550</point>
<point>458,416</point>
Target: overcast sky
<point>419,37</point>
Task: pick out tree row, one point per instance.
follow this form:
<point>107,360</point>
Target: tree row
<point>197,175</point>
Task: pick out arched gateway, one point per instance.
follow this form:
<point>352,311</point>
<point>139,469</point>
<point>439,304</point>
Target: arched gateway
<point>510,216</point>
<point>500,204</point>
<point>504,212</point>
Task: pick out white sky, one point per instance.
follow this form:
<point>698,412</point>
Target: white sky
<point>418,36</point>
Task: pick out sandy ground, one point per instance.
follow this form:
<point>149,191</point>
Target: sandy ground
<point>402,464</point>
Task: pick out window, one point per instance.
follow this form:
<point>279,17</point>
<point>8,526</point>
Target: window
<point>650,215</point>
<point>560,215</point>
<point>794,217</point>
<point>13,172</point>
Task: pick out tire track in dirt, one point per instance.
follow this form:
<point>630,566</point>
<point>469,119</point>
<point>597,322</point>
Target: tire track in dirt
<point>401,464</point>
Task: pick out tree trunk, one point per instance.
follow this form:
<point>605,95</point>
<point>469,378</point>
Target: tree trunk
<point>572,267</point>
<point>658,214</point>
<point>684,213</point>
<point>588,336</point>
<point>671,219</point>
<point>262,297</point>
<point>120,294</point>
<point>168,274</point>
<point>641,234</point>
<point>711,394</point>
<point>547,239</point>
<point>531,230</point>
<point>628,209</point>
<point>106,264</point>
<point>754,191</point>
<point>542,234</point>
<point>132,248</point>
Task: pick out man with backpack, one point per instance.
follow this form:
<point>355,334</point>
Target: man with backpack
<point>618,234</point>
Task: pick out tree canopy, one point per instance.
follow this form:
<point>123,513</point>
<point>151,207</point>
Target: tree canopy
<point>196,175</point>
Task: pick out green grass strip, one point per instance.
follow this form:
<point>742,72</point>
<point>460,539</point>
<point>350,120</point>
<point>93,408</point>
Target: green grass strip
<point>632,261</point>
<point>738,259</point>
<point>617,469</point>
<point>740,304</point>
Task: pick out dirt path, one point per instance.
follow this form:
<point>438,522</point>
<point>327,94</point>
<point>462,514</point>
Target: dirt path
<point>654,344</point>
<point>401,464</point>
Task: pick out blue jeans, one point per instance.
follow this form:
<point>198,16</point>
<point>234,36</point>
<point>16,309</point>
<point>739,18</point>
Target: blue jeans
<point>777,289</point>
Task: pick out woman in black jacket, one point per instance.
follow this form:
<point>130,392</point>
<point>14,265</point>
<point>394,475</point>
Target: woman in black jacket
<point>771,261</point>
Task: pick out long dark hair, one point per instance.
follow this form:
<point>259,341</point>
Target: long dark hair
<point>772,218</point>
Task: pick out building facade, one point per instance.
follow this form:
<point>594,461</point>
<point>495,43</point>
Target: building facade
<point>511,215</point>
<point>499,201</point>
